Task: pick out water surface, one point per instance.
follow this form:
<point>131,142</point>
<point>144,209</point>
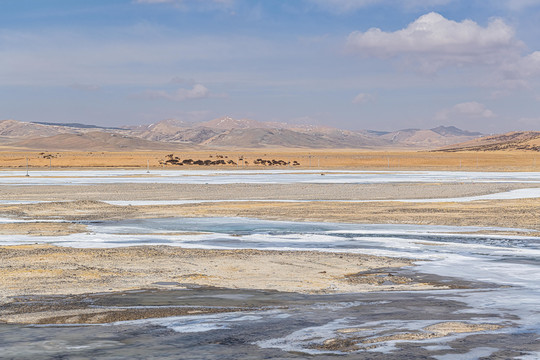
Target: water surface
<point>503,268</point>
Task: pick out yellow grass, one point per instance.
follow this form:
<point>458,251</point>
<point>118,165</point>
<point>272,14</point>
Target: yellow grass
<point>308,159</point>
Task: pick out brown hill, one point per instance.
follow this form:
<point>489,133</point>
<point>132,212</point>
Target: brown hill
<point>257,138</point>
<point>454,131</point>
<point>245,133</point>
<point>223,132</point>
<point>95,141</point>
<point>429,139</point>
<point>177,135</point>
<point>228,123</point>
<point>17,129</point>
<point>517,140</point>
<point>161,131</point>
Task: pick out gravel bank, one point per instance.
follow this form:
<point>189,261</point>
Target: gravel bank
<point>133,192</point>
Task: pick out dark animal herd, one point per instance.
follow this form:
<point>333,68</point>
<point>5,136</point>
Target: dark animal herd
<point>221,160</point>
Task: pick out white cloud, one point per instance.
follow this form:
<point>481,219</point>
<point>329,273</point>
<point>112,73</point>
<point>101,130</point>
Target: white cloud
<point>527,66</point>
<point>473,109</point>
<point>362,98</point>
<point>432,42</point>
<point>515,73</point>
<point>198,91</point>
<point>469,110</point>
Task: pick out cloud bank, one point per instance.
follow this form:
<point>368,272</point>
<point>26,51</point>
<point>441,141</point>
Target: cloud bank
<point>469,110</point>
<point>432,42</point>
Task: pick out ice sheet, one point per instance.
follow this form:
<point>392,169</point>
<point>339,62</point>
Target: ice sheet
<point>204,323</point>
<point>45,177</point>
<point>531,193</point>
<point>474,354</point>
<point>510,264</point>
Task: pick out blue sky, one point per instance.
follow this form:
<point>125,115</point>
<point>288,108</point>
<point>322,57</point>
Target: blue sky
<point>356,64</point>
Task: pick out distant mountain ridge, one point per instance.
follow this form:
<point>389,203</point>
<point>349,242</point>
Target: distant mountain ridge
<point>224,132</point>
<point>18,129</point>
<point>515,140</point>
<point>93,140</point>
<point>75,125</point>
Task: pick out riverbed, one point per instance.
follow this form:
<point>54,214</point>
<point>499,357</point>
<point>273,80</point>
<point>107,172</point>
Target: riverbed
<point>376,290</point>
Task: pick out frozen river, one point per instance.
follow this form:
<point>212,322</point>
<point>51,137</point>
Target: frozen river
<point>507,266</point>
<point>47,177</point>
<point>496,278</point>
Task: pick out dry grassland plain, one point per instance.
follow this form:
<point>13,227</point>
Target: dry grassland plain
<point>320,158</point>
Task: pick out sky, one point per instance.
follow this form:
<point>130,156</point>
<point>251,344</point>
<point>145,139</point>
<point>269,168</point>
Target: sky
<point>351,64</point>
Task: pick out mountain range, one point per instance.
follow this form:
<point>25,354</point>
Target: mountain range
<point>224,132</point>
